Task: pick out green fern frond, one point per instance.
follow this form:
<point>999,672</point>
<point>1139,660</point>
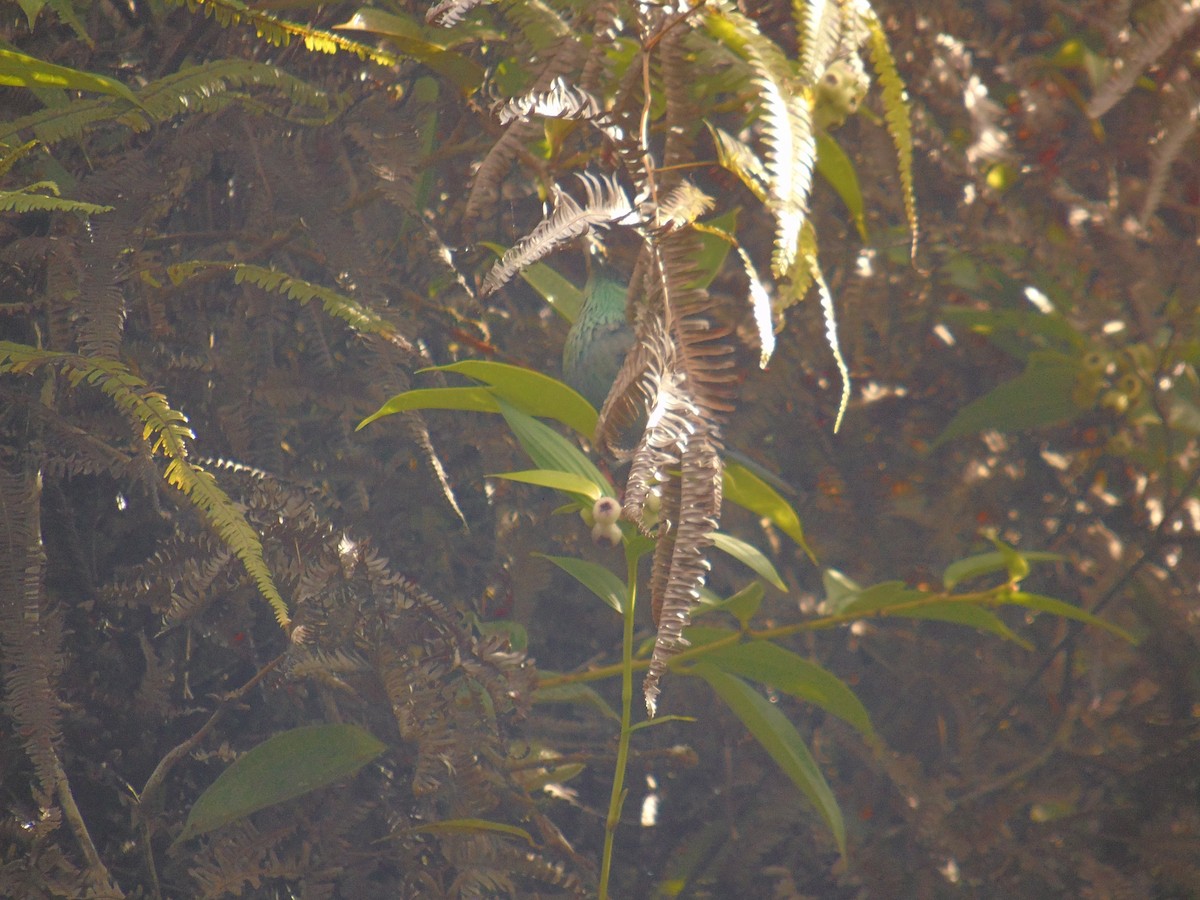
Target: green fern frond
<point>166,431</point>
<point>196,89</point>
<point>205,86</point>
<point>896,112</point>
<point>60,123</point>
<point>26,200</point>
<point>361,318</point>
<point>281,32</point>
<point>65,12</point>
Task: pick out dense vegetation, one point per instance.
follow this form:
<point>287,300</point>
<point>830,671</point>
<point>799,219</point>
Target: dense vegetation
<point>232,232</point>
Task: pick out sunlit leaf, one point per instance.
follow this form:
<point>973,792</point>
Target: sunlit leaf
<point>472,399</point>
<point>19,70</point>
<point>412,39</point>
<point>749,555</point>
<point>780,739</point>
<point>985,564</point>
<point>530,391</point>
<point>280,768</point>
<point>743,487</point>
<point>567,482</point>
<point>597,579</point>
<point>550,450</point>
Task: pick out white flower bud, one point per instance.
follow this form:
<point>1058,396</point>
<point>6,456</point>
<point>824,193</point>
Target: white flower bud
<point>606,535</point>
<point>606,511</point>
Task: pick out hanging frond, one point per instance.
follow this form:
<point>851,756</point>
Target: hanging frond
<point>1175,137</point>
<point>606,204</point>
<point>448,13</point>
<point>1165,22</point>
<point>809,255</point>
<point>895,112</point>
<point>818,33</point>
<point>760,305</point>
<point>171,437</point>
<point>281,32</point>
<point>361,318</point>
<point>559,101</point>
<point>28,199</point>
<point>739,158</point>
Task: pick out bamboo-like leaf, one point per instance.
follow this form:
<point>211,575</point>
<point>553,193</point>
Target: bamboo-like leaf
<point>597,579</point>
<point>792,674</point>
<point>967,614</point>
<point>567,482</point>
<point>750,556</point>
<point>535,393</point>
<point>550,450</point>
<point>780,739</point>
<point>469,399</point>
<point>1067,611</point>
<point>411,40</point>
<point>285,766</point>
<point>742,605</point>
<point>1041,395</point>
<point>985,564</point>
<point>836,168</point>
<point>20,70</point>
<point>749,491</point>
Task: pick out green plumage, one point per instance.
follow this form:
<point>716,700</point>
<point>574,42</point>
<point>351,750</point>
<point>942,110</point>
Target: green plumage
<point>601,336</point>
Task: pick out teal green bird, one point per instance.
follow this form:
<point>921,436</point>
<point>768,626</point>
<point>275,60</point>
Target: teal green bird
<point>601,336</point>
<point>596,347</point>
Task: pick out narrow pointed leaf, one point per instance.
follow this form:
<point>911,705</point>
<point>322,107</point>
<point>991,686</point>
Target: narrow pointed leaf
<point>550,450</point>
<point>780,739</point>
<point>1067,611</point>
<point>985,564</point>
<point>471,826</point>
<point>282,767</point>
<point>597,579</point>
<point>742,605</point>
<point>743,487</point>
<point>531,392</point>
<point>792,674</point>
<point>749,555</point>
<point>966,614</point>
<point>472,399</point>
<point>836,168</point>
<point>20,70</point>
<point>568,482</point>
<point>580,694</point>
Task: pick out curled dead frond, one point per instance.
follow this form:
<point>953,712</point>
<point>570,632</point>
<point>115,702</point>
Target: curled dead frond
<point>606,204</point>
<point>559,101</point>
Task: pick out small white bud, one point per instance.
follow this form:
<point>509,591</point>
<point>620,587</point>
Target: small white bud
<point>606,535</point>
<point>606,511</point>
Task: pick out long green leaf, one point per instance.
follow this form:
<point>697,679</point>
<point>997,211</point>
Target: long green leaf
<point>792,674</point>
<point>780,739</point>
<point>472,399</point>
<point>597,579</point>
<point>743,487</point>
<point>986,563</point>
<point>748,555</point>
<point>567,482</point>
<point>550,450</point>
<point>1067,611</point>
<point>836,168</point>
<point>415,41</point>
<point>966,614</point>
<point>282,767</point>
<point>530,391</point>
<point>1041,395</point>
<point>20,70</point>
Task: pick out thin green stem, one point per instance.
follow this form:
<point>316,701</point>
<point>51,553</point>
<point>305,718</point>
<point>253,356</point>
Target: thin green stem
<point>992,596</point>
<point>617,799</point>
